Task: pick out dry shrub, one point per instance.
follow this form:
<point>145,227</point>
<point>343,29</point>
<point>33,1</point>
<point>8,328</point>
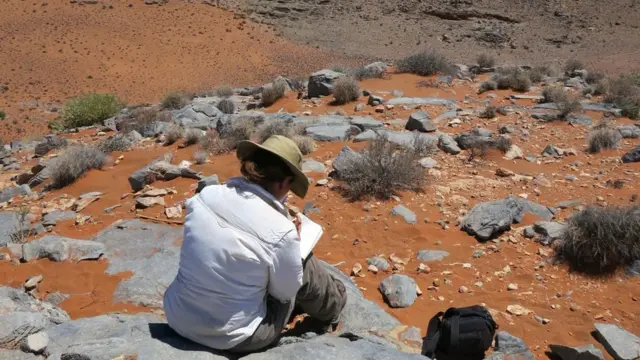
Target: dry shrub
<point>346,89</point>
<point>381,171</point>
<point>172,134</point>
<point>174,101</point>
<point>74,162</point>
<point>624,92</point>
<point>117,142</point>
<point>200,157</point>
<point>537,73</point>
<point>489,112</point>
<point>89,109</point>
<point>224,91</point>
<point>304,143</point>
<point>486,61</point>
<point>371,72</point>
<point>426,64</point>
<point>243,128</point>
<point>503,143</point>
<point>227,106</point>
<point>271,93</point>
<point>192,137</point>
<point>512,78</point>
<point>594,77</point>
<point>213,144</point>
<point>520,82</point>
<point>599,241</point>
<point>565,103</point>
<point>572,65</point>
<point>479,147</point>
<point>603,138</point>
<point>488,85</point>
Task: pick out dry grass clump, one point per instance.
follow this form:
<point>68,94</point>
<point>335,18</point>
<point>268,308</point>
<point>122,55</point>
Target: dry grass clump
<point>346,89</point>
<point>603,138</point>
<point>213,143</point>
<point>426,64</point>
<point>486,61</point>
<point>89,109</point>
<point>371,72</point>
<point>227,106</point>
<point>565,103</point>
<point>192,137</point>
<point>174,101</point>
<point>224,91</point>
<point>489,112</point>
<point>503,143</point>
<point>381,170</point>
<point>200,157</point>
<point>512,78</point>
<point>624,92</point>
<point>271,93</point>
<point>537,73</point>
<point>73,163</point>
<point>572,65</point>
<point>117,142</point>
<point>488,85</point>
<point>601,240</point>
<point>304,143</point>
<point>172,134</point>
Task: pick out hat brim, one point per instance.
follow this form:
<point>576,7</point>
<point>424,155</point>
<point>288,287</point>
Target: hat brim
<point>300,184</point>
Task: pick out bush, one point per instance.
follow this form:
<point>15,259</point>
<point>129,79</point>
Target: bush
<point>346,89</point>
<point>603,138</point>
<point>227,106</point>
<point>572,65</point>
<point>224,91</point>
<point>426,64</point>
<point>3,114</point>
<point>381,171</point>
<point>489,112</point>
<point>271,93</point>
<point>503,143</point>
<point>304,143</point>
<point>599,241</point>
<point>172,134</point>
<point>174,101</point>
<point>486,61</point>
<point>372,72</point>
<point>488,86</point>
<point>89,109</point>
<point>212,143</point>
<point>192,137</point>
<point>565,104</point>
<point>297,84</point>
<point>512,78</point>
<point>200,157</point>
<point>74,162</point>
<point>624,92</point>
<point>520,82</point>
<point>594,77</point>
<point>117,142</point>
<point>537,73</point>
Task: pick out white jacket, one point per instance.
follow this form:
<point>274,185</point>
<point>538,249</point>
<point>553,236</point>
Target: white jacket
<point>237,249</point>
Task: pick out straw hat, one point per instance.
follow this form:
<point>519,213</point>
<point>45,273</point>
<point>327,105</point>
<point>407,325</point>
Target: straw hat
<point>285,149</point>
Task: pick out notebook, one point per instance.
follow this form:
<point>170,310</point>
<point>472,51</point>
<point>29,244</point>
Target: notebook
<point>310,233</point>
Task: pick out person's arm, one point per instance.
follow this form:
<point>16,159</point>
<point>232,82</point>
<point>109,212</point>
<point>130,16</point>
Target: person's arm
<point>285,276</point>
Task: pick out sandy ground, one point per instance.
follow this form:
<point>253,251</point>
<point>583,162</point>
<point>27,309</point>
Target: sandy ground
<point>352,233</point>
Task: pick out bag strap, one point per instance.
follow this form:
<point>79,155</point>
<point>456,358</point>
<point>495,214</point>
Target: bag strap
<point>430,342</point>
<point>455,330</point>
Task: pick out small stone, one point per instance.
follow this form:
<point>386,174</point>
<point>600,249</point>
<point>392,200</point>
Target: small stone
<point>463,290</point>
<point>173,212</point>
<point>502,172</point>
<point>512,287</point>
<point>478,284</point>
<point>418,290</point>
<point>36,343</point>
<point>357,268</point>
<point>423,268</point>
<point>32,282</point>
<point>146,202</point>
<point>436,282</point>
<point>441,298</point>
<point>373,269</point>
<point>477,253</point>
<point>518,310</point>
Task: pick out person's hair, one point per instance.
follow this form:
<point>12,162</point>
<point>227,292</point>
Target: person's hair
<point>264,168</point>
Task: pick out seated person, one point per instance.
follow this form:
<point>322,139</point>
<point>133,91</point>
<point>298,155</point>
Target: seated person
<point>241,270</point>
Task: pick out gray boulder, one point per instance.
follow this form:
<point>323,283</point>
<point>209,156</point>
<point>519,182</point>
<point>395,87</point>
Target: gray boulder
<point>199,114</point>
<point>428,162</point>
<point>488,219</point>
<point>332,132</point>
<point>407,139</point>
<point>408,215</point>
<point>629,131</point>
<point>509,347</point>
<point>468,141</point>
<point>160,169</point>
<point>206,181</point>
<point>447,144</point>
<point>310,165</point>
<point>420,121</point>
<point>578,119</point>
<point>549,231</point>
<point>618,342</point>
<point>379,262</point>
<point>585,352</point>
<point>551,151</point>
<point>398,290</point>
<point>432,255</point>
<point>321,83</point>
<point>450,114</point>
<point>17,355</point>
<point>153,259</point>
<point>52,218</point>
<point>56,248</point>
<point>344,158</point>
<point>632,156</point>
<point>16,326</point>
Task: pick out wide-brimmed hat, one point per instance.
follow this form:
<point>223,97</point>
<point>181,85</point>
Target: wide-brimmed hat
<point>285,149</point>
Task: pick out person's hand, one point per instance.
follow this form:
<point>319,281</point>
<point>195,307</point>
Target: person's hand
<point>297,222</point>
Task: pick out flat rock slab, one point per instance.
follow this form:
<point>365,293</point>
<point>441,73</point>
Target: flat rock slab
<point>8,194</point>
<point>150,251</point>
<point>16,300</point>
<point>398,290</point>
<point>52,218</point>
<point>629,131</point>
<point>332,132</point>
<point>432,255</point>
<point>366,123</point>
<point>7,226</point>
<point>56,248</point>
<point>618,342</point>
<point>509,347</point>
<point>420,101</point>
<point>310,165</point>
<point>17,355</point>
<point>586,352</point>
<point>379,262</point>
<point>550,231</point>
<point>408,215</point>
<point>16,326</point>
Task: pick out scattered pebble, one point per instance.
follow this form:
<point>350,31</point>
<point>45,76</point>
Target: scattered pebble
<point>518,310</point>
<point>512,287</point>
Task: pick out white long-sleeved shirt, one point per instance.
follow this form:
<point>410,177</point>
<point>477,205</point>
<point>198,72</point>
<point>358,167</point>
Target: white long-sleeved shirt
<point>237,248</point>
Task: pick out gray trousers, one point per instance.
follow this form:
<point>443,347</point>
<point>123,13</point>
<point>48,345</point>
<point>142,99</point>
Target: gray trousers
<point>321,296</point>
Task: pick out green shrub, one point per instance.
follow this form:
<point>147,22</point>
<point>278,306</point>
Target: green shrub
<point>520,82</point>
<point>89,109</point>
<point>346,89</point>
<point>174,101</point>
<point>426,64</point>
<point>271,93</point>
<point>73,163</point>
<point>3,114</point>
<point>537,73</point>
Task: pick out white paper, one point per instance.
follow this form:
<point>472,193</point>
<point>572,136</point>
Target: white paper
<point>310,233</point>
